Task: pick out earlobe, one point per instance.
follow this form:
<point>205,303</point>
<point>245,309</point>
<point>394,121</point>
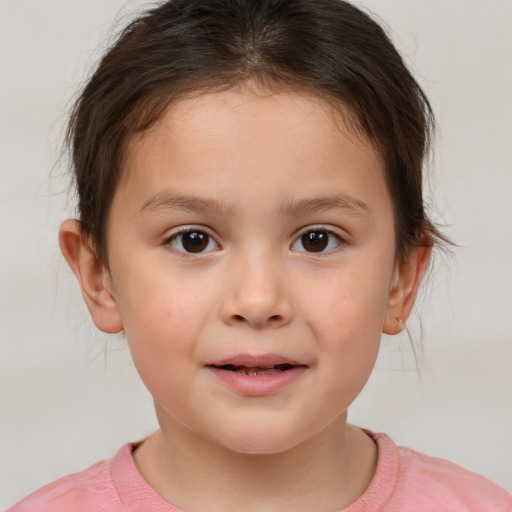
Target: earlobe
<point>93,278</point>
<point>404,288</point>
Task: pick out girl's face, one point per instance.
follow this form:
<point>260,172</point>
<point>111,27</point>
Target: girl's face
<point>252,267</point>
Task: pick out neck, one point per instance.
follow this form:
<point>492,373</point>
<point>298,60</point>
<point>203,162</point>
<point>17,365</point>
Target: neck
<point>326,472</point>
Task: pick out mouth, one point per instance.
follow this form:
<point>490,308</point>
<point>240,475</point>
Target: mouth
<point>257,375</point>
<point>255,370</point>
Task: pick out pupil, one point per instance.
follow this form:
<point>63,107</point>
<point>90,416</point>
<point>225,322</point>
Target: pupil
<point>315,241</point>
<point>195,241</point>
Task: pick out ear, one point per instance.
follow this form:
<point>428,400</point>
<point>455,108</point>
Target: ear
<point>404,288</point>
<point>93,277</point>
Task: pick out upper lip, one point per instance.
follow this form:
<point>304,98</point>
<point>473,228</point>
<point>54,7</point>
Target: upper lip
<point>252,361</point>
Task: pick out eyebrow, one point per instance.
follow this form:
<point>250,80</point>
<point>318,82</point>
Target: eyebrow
<point>165,201</point>
<point>345,203</point>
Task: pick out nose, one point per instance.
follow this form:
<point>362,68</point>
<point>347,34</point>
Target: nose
<point>256,294</point>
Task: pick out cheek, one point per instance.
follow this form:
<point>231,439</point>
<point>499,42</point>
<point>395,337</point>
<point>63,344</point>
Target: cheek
<point>163,318</point>
<point>158,297</point>
<point>347,319</point>
<point>355,304</point>
<point>349,346</point>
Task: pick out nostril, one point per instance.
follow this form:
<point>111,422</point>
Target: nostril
<point>272,319</point>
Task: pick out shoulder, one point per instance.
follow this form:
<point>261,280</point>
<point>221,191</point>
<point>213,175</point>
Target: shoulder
<point>91,489</point>
<point>406,480</point>
<point>442,485</point>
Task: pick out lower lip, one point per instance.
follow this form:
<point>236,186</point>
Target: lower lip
<point>258,385</point>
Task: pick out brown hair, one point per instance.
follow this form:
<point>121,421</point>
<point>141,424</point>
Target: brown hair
<point>328,47</point>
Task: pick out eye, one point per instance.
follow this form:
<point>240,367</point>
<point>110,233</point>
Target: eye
<point>317,240</point>
<point>193,241</point>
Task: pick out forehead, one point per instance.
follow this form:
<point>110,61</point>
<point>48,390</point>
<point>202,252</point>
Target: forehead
<point>237,138</point>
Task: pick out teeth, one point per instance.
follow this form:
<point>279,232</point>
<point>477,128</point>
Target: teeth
<point>257,371</point>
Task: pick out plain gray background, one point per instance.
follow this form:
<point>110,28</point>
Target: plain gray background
<point>70,396</point>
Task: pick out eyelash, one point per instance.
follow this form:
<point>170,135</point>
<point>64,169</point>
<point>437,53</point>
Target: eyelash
<point>324,237</point>
<point>191,230</point>
<point>331,236</point>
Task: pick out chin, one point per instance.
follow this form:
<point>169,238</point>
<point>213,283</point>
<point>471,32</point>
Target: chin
<point>261,442</point>
<point>258,447</point>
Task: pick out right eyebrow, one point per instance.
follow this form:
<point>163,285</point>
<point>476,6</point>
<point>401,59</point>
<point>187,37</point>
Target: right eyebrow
<point>165,201</point>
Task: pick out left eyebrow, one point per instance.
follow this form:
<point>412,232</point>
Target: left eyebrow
<point>345,203</point>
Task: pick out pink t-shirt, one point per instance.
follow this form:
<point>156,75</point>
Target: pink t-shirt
<point>405,481</point>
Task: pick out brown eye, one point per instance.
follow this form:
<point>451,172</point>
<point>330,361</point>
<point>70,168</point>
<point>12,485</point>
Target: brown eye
<point>193,242</point>
<point>317,240</point>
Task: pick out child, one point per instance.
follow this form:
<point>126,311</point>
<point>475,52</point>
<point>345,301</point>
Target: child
<point>251,217</point>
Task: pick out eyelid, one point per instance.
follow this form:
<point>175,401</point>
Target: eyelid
<point>327,228</point>
<point>187,229</point>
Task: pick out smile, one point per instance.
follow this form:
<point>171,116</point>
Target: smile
<point>256,370</point>
<point>257,375</point>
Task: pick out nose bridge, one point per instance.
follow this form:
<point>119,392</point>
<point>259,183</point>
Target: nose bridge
<point>257,293</point>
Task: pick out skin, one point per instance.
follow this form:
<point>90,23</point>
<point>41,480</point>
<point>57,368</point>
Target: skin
<point>255,172</point>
